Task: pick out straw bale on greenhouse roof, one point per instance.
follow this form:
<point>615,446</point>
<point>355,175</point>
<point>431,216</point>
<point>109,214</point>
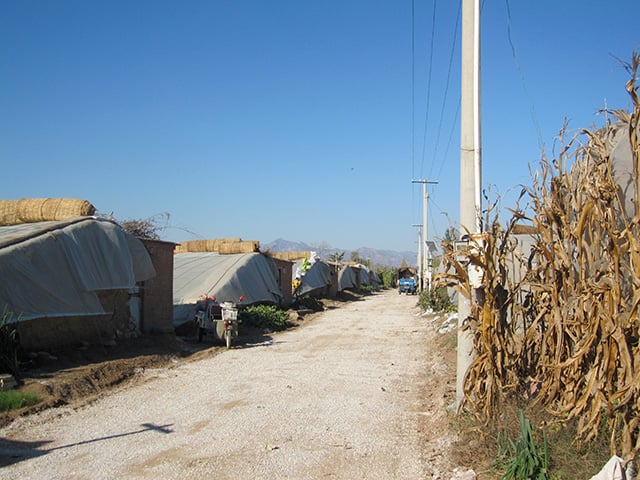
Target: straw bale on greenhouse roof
<point>219,245</point>
<point>291,256</point>
<point>31,210</point>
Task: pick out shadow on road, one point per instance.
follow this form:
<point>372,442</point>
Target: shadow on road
<point>13,451</point>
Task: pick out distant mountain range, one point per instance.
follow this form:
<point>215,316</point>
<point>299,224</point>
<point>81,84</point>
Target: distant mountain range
<point>388,258</point>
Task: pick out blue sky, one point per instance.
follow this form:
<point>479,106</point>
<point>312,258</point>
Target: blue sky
<point>291,119</point>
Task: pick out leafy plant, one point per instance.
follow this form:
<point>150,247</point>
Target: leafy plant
<point>436,299</point>
<point>8,345</point>
<point>387,276</point>
<point>526,461</point>
<point>265,316</point>
<point>368,289</point>
<point>14,399</point>
<point>336,257</point>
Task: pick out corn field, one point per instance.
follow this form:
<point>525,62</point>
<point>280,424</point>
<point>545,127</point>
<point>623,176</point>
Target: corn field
<point>558,325</point>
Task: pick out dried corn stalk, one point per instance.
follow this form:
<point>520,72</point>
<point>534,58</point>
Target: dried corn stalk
<point>588,269</point>
<point>497,362</point>
<point>568,332</point>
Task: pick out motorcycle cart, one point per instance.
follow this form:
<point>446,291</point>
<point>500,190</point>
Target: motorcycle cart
<point>219,320</point>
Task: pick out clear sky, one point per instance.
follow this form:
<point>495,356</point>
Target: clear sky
<point>294,119</point>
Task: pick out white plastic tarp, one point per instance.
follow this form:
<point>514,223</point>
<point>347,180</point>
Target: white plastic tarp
<point>617,138</point>
<point>52,269</point>
<point>347,278</point>
<point>316,278</point>
<point>227,277</point>
<point>614,469</point>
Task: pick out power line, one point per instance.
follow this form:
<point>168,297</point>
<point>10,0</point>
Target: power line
<point>413,87</point>
<point>445,213</point>
<point>522,79</point>
<point>413,101</point>
<point>453,127</point>
<point>436,231</point>
<point>426,120</point>
<point>446,90</point>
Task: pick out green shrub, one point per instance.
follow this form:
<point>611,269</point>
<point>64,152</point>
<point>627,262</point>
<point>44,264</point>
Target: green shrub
<point>8,345</point>
<point>368,289</point>
<point>388,277</point>
<point>265,316</point>
<point>14,399</point>
<point>436,299</point>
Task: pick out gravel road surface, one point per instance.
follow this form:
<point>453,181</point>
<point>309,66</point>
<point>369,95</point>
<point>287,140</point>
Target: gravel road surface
<point>358,392</point>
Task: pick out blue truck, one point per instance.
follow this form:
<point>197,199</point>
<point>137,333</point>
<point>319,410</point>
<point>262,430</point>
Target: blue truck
<point>407,280</point>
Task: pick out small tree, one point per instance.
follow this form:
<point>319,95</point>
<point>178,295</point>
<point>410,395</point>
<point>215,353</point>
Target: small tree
<point>148,227</point>
<point>388,276</point>
<point>355,257</point>
<point>336,257</point>
<point>451,235</point>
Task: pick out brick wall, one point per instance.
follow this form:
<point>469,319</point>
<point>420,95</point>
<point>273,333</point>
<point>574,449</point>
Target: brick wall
<point>51,333</point>
<point>157,292</point>
<point>156,295</point>
<point>285,270</point>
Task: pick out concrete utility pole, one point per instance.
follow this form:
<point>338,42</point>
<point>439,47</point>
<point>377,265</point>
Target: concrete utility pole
<point>425,237</point>
<point>470,165</point>
<point>419,225</point>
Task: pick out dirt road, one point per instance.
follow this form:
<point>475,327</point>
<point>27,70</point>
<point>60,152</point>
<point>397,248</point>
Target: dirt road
<point>359,392</point>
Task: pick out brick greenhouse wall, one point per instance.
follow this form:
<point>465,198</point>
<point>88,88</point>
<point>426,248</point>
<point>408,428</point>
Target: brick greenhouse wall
<point>285,269</point>
<point>157,292</point>
<point>71,331</point>
<point>51,333</point>
<point>62,332</point>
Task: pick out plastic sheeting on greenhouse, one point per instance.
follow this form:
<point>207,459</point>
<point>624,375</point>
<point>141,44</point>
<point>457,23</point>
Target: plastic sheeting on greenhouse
<point>55,268</point>
<point>367,276</point>
<point>317,277</point>
<point>347,278</point>
<point>227,277</point>
<point>616,138</point>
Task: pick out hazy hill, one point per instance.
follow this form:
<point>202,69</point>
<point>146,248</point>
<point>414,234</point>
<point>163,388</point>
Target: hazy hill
<point>389,258</point>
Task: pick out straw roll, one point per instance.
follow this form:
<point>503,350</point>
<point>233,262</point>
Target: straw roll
<point>245,246</point>
<point>291,256</point>
<point>219,245</point>
<point>30,210</point>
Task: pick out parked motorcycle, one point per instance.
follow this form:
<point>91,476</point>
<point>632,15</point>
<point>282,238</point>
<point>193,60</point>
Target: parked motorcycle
<point>219,319</point>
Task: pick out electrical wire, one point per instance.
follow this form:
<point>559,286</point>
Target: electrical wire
<point>413,87</point>
<point>514,54</point>
<point>450,225</point>
<point>446,90</point>
<point>426,120</point>
<point>453,128</point>
<point>435,233</point>
<point>413,103</point>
